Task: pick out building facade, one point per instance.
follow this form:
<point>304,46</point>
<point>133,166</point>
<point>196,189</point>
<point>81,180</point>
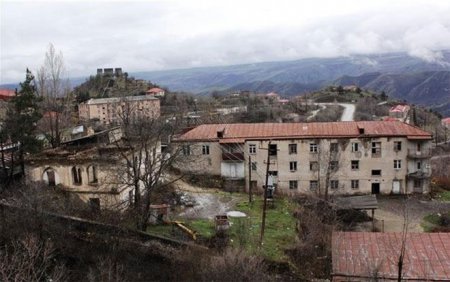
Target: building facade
<point>114,110</point>
<point>366,157</point>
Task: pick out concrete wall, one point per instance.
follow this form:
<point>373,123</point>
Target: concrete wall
<point>344,174</point>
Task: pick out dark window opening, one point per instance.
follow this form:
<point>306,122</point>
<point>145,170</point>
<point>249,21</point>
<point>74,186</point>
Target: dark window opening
<point>272,149</point>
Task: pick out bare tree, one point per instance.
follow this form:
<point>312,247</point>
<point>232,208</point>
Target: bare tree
<point>146,165</point>
<point>30,259</point>
<point>328,162</point>
<point>54,89</point>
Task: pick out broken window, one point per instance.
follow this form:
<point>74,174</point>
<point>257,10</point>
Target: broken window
<point>272,149</point>
<point>76,176</point>
<point>397,146</point>
<point>355,165</point>
<point>313,166</point>
<point>334,147</point>
<point>355,147</point>
<point>92,174</point>
<point>313,184</point>
<point>355,184</point>
<point>376,149</point>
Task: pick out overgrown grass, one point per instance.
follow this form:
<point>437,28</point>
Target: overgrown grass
<point>245,232</point>
<point>279,230</point>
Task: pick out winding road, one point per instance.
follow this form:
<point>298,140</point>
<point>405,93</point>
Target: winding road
<point>347,115</point>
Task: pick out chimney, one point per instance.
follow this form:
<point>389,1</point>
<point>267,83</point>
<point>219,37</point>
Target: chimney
<point>220,133</point>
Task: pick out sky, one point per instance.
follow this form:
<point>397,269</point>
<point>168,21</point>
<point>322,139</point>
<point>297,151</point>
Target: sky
<point>161,35</point>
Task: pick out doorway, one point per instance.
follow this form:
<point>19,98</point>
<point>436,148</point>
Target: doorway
<point>375,188</point>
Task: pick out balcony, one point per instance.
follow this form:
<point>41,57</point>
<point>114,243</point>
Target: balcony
<point>238,156</point>
<point>420,174</point>
<point>423,154</point>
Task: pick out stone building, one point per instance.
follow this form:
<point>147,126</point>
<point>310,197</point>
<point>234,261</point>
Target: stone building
<point>92,167</point>
<point>113,110</point>
<point>343,157</point>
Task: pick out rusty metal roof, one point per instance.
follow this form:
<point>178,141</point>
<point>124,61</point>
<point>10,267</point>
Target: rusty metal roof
<point>345,129</point>
<point>362,254</point>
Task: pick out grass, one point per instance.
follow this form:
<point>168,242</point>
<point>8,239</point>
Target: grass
<point>279,234</point>
<point>279,231</point>
<point>444,196</point>
<point>431,221</point>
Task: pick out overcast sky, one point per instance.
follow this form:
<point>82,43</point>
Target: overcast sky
<point>157,35</point>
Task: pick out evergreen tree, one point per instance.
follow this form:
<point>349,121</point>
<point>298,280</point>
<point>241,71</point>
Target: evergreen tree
<point>22,117</point>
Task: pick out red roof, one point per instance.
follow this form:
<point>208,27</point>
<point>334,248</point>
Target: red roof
<point>446,120</point>
<point>6,94</point>
<point>359,254</point>
<point>154,90</point>
<point>344,129</point>
<point>400,108</point>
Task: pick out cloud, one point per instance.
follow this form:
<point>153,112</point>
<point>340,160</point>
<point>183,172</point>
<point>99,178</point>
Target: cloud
<point>159,35</point>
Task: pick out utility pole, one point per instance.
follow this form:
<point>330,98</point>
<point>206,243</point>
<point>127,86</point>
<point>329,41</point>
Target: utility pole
<point>263,223</point>
<point>249,179</point>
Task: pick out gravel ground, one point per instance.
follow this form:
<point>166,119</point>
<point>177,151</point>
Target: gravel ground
<point>392,210</point>
<point>208,202</point>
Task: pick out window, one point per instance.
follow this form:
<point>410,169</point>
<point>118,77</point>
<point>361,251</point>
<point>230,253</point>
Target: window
<point>397,164</point>
<point>334,147</point>
<point>376,172</point>
<point>76,176</point>
<point>94,204</point>
<point>272,149</point>
<point>92,174</point>
<point>334,184</point>
<point>205,149</point>
<point>292,149</point>
<point>355,147</point>
<point>313,166</point>
<point>333,165</point>
<point>355,165</point>
<point>293,184</point>
<point>355,184</point>
<point>313,148</point>
<point>313,185</point>
<point>419,147</point>
<point>254,165</point>
<point>417,183</point>
<point>252,149</point>
<point>419,165</point>
<point>186,150</point>
<point>293,166</point>
<point>397,146</point>
<point>376,149</point>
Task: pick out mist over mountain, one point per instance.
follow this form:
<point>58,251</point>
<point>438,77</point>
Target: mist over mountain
<point>398,74</point>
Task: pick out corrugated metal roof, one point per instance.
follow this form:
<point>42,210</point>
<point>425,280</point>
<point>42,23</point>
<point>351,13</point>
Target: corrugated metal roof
<point>257,131</point>
<point>360,254</point>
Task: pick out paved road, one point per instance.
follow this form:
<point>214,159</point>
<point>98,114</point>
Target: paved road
<point>349,111</point>
<point>347,115</point>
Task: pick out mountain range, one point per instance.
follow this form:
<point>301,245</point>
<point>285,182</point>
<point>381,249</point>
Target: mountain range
<point>398,74</point>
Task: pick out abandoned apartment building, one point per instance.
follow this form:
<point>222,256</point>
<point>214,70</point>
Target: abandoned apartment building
<point>110,111</point>
<point>89,167</point>
<point>364,157</point>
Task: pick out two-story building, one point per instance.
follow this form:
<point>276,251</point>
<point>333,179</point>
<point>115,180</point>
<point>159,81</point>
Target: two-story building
<point>117,109</point>
<point>341,157</point>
